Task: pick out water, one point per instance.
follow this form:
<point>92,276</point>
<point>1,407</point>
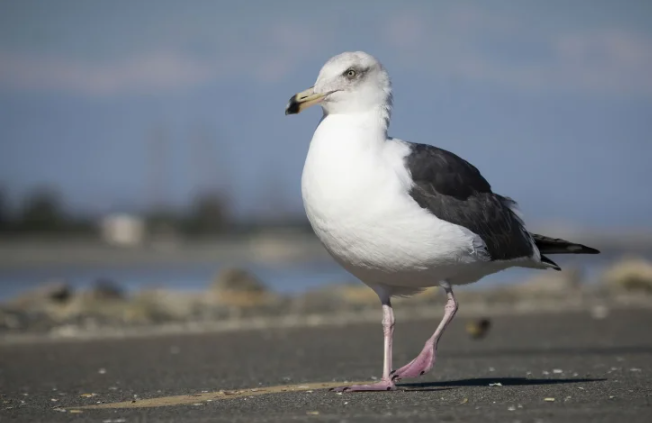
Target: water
<point>192,277</point>
<point>286,278</point>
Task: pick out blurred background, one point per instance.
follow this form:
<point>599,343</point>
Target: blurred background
<point>145,143</point>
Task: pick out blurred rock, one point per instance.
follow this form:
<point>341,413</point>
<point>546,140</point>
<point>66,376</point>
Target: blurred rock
<point>25,321</point>
<point>41,297</point>
<point>551,282</point>
<point>157,305</point>
<point>107,290</point>
<point>628,275</point>
<point>239,288</point>
<point>544,284</point>
<point>235,279</point>
<point>85,304</point>
<point>433,294</point>
<point>358,293</point>
<point>350,296</point>
<point>13,320</point>
<point>237,294</point>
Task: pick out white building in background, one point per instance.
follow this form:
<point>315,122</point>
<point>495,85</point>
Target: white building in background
<point>123,230</point>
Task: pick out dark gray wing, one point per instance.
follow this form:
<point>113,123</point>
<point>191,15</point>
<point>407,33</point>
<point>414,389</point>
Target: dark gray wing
<point>454,190</point>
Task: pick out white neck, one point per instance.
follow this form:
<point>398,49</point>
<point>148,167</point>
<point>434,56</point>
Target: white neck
<point>351,132</point>
<point>368,124</point>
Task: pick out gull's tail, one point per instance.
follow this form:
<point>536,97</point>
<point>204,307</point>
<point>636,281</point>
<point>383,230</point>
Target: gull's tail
<point>547,245</point>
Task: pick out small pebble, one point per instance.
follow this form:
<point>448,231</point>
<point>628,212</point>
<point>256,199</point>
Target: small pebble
<point>491,369</point>
<point>558,371</point>
<point>549,399</point>
<point>102,371</point>
<point>635,369</point>
<point>511,408</point>
<point>545,372</point>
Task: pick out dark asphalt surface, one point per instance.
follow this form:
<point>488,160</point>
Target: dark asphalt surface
<point>596,370</point>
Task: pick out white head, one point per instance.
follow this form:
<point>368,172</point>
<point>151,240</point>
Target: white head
<point>351,82</point>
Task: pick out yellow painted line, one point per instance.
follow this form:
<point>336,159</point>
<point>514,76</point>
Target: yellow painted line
<point>207,397</point>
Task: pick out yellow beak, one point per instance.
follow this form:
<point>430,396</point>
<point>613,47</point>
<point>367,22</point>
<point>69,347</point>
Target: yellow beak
<point>303,100</point>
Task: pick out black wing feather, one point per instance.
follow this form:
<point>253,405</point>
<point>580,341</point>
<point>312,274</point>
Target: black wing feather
<point>454,190</point>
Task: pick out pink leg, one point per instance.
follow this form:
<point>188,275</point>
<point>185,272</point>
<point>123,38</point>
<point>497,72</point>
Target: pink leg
<point>386,383</point>
<point>426,359</point>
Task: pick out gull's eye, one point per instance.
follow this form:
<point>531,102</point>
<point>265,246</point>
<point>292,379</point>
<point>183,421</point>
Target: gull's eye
<point>351,73</point>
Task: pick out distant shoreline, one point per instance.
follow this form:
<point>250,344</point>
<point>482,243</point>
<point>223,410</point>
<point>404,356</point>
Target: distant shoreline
<point>264,248</point>
<point>274,247</point>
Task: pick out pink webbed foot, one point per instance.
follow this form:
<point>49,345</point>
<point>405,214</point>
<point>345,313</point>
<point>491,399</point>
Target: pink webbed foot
<point>417,367</point>
<point>383,385</point>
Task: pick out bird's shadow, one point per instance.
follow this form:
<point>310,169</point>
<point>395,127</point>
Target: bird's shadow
<point>506,381</point>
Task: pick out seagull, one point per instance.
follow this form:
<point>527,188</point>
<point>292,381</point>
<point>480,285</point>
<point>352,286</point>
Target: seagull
<point>402,216</point>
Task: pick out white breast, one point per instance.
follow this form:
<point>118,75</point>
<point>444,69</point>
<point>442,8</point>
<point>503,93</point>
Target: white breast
<point>355,190</point>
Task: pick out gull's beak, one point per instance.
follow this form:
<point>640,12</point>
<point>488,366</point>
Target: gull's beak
<point>303,100</point>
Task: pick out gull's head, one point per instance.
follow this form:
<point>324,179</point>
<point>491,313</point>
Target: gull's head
<point>350,82</point>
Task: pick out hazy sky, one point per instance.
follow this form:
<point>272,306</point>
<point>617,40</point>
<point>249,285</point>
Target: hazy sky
<point>551,100</point>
